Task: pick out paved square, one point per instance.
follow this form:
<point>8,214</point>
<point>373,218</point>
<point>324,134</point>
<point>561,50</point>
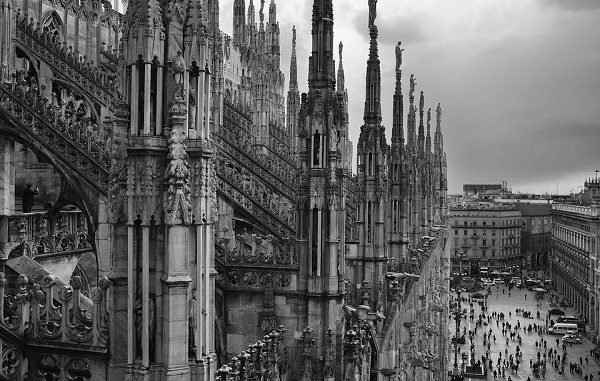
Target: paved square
<point>502,302</point>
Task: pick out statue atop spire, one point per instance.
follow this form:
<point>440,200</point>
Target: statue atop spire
<point>341,76</point>
<point>439,114</point>
<point>412,87</point>
<point>399,51</point>
<point>372,12</point>
<point>428,118</point>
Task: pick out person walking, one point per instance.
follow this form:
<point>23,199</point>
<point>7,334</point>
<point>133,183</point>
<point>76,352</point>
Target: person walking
<point>27,198</point>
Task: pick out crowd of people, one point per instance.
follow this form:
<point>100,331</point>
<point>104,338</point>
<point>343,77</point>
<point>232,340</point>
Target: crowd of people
<point>502,355</point>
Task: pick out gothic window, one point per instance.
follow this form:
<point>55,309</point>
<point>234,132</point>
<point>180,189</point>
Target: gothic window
<point>369,223</point>
<point>370,163</point>
<point>396,216</point>
<point>316,148</point>
<point>54,25</point>
<point>315,240</point>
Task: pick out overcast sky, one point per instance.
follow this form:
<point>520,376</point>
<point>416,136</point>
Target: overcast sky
<point>519,80</point>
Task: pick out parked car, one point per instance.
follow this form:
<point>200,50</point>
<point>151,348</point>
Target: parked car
<point>498,281</point>
<point>556,311</point>
<point>571,338</point>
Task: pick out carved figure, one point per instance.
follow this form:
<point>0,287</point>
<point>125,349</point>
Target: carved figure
<point>439,111</point>
<point>428,117</point>
<point>178,68</point>
<point>413,83</point>
<point>192,323</point>
<point>399,51</point>
<point>138,308</point>
<point>372,12</point>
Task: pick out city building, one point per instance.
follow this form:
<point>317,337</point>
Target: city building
<point>485,240</point>
<point>536,235</point>
<point>187,226</point>
<point>574,262</point>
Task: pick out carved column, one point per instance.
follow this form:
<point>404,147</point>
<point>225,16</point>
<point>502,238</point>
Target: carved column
<point>7,186</point>
<point>176,276</point>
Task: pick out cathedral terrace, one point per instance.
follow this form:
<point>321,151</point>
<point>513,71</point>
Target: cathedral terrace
<point>173,208</point>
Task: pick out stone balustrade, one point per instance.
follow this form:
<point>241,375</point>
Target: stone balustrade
<point>49,313</point>
<point>83,144</point>
<point>586,210</point>
<point>34,234</point>
<point>265,360</point>
<point>101,84</point>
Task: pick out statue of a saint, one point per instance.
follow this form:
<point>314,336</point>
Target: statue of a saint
<point>428,117</point>
<point>178,68</point>
<point>372,12</point>
<point>399,51</point>
<point>412,86</point>
<point>439,112</point>
<point>192,323</point>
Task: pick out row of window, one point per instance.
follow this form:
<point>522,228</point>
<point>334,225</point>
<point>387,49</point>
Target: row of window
<point>503,232</point>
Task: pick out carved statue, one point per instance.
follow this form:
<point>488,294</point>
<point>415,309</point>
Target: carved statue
<point>192,323</point>
<point>439,111</point>
<point>341,47</point>
<point>428,117</point>
<point>372,12</point>
<point>138,308</point>
<point>399,51</point>
<point>412,86</point>
<point>178,68</point>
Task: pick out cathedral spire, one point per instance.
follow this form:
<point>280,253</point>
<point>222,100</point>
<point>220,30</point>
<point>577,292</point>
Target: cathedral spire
<point>321,72</point>
<point>251,14</point>
<point>272,13</point>
<point>293,64</point>
<point>438,139</point>
<point>428,136</point>
<point>421,137</point>
<point>412,133</point>
<point>341,79</point>
<point>398,111</point>
<point>239,22</point>
<point>372,113</point>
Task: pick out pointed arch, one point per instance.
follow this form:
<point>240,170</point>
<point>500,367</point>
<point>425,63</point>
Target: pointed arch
<point>54,23</point>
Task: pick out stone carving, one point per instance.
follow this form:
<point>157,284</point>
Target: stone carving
<point>372,12</point>
<point>412,86</point>
<point>179,70</point>
<point>439,112</point>
<point>177,200</point>
<point>428,117</point>
<point>399,51</point>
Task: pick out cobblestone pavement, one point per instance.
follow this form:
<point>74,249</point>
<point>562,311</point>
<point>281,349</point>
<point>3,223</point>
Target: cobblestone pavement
<point>505,303</point>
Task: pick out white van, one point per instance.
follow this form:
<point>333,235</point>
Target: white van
<point>562,328</point>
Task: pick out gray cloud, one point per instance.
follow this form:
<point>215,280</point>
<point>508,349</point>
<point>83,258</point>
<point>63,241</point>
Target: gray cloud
<point>573,5</point>
<point>407,29</point>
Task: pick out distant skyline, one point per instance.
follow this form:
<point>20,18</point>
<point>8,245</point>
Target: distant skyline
<point>518,80</point>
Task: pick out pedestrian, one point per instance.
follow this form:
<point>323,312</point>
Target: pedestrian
<point>27,198</point>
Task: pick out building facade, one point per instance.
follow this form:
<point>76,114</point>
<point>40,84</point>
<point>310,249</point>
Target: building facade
<point>574,261</point>
<point>536,235</point>
<point>196,229</point>
<point>485,238</point>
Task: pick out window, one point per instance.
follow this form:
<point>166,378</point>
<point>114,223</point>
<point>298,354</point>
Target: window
<point>483,223</point>
<point>484,242</point>
<point>465,223</point>
<point>456,241</point>
<point>493,253</point>
<point>465,241</point>
<point>456,232</point>
<point>493,223</point>
<point>493,242</point>
<point>465,232</point>
<point>483,253</point>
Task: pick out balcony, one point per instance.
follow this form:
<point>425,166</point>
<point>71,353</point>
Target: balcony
<point>591,211</point>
